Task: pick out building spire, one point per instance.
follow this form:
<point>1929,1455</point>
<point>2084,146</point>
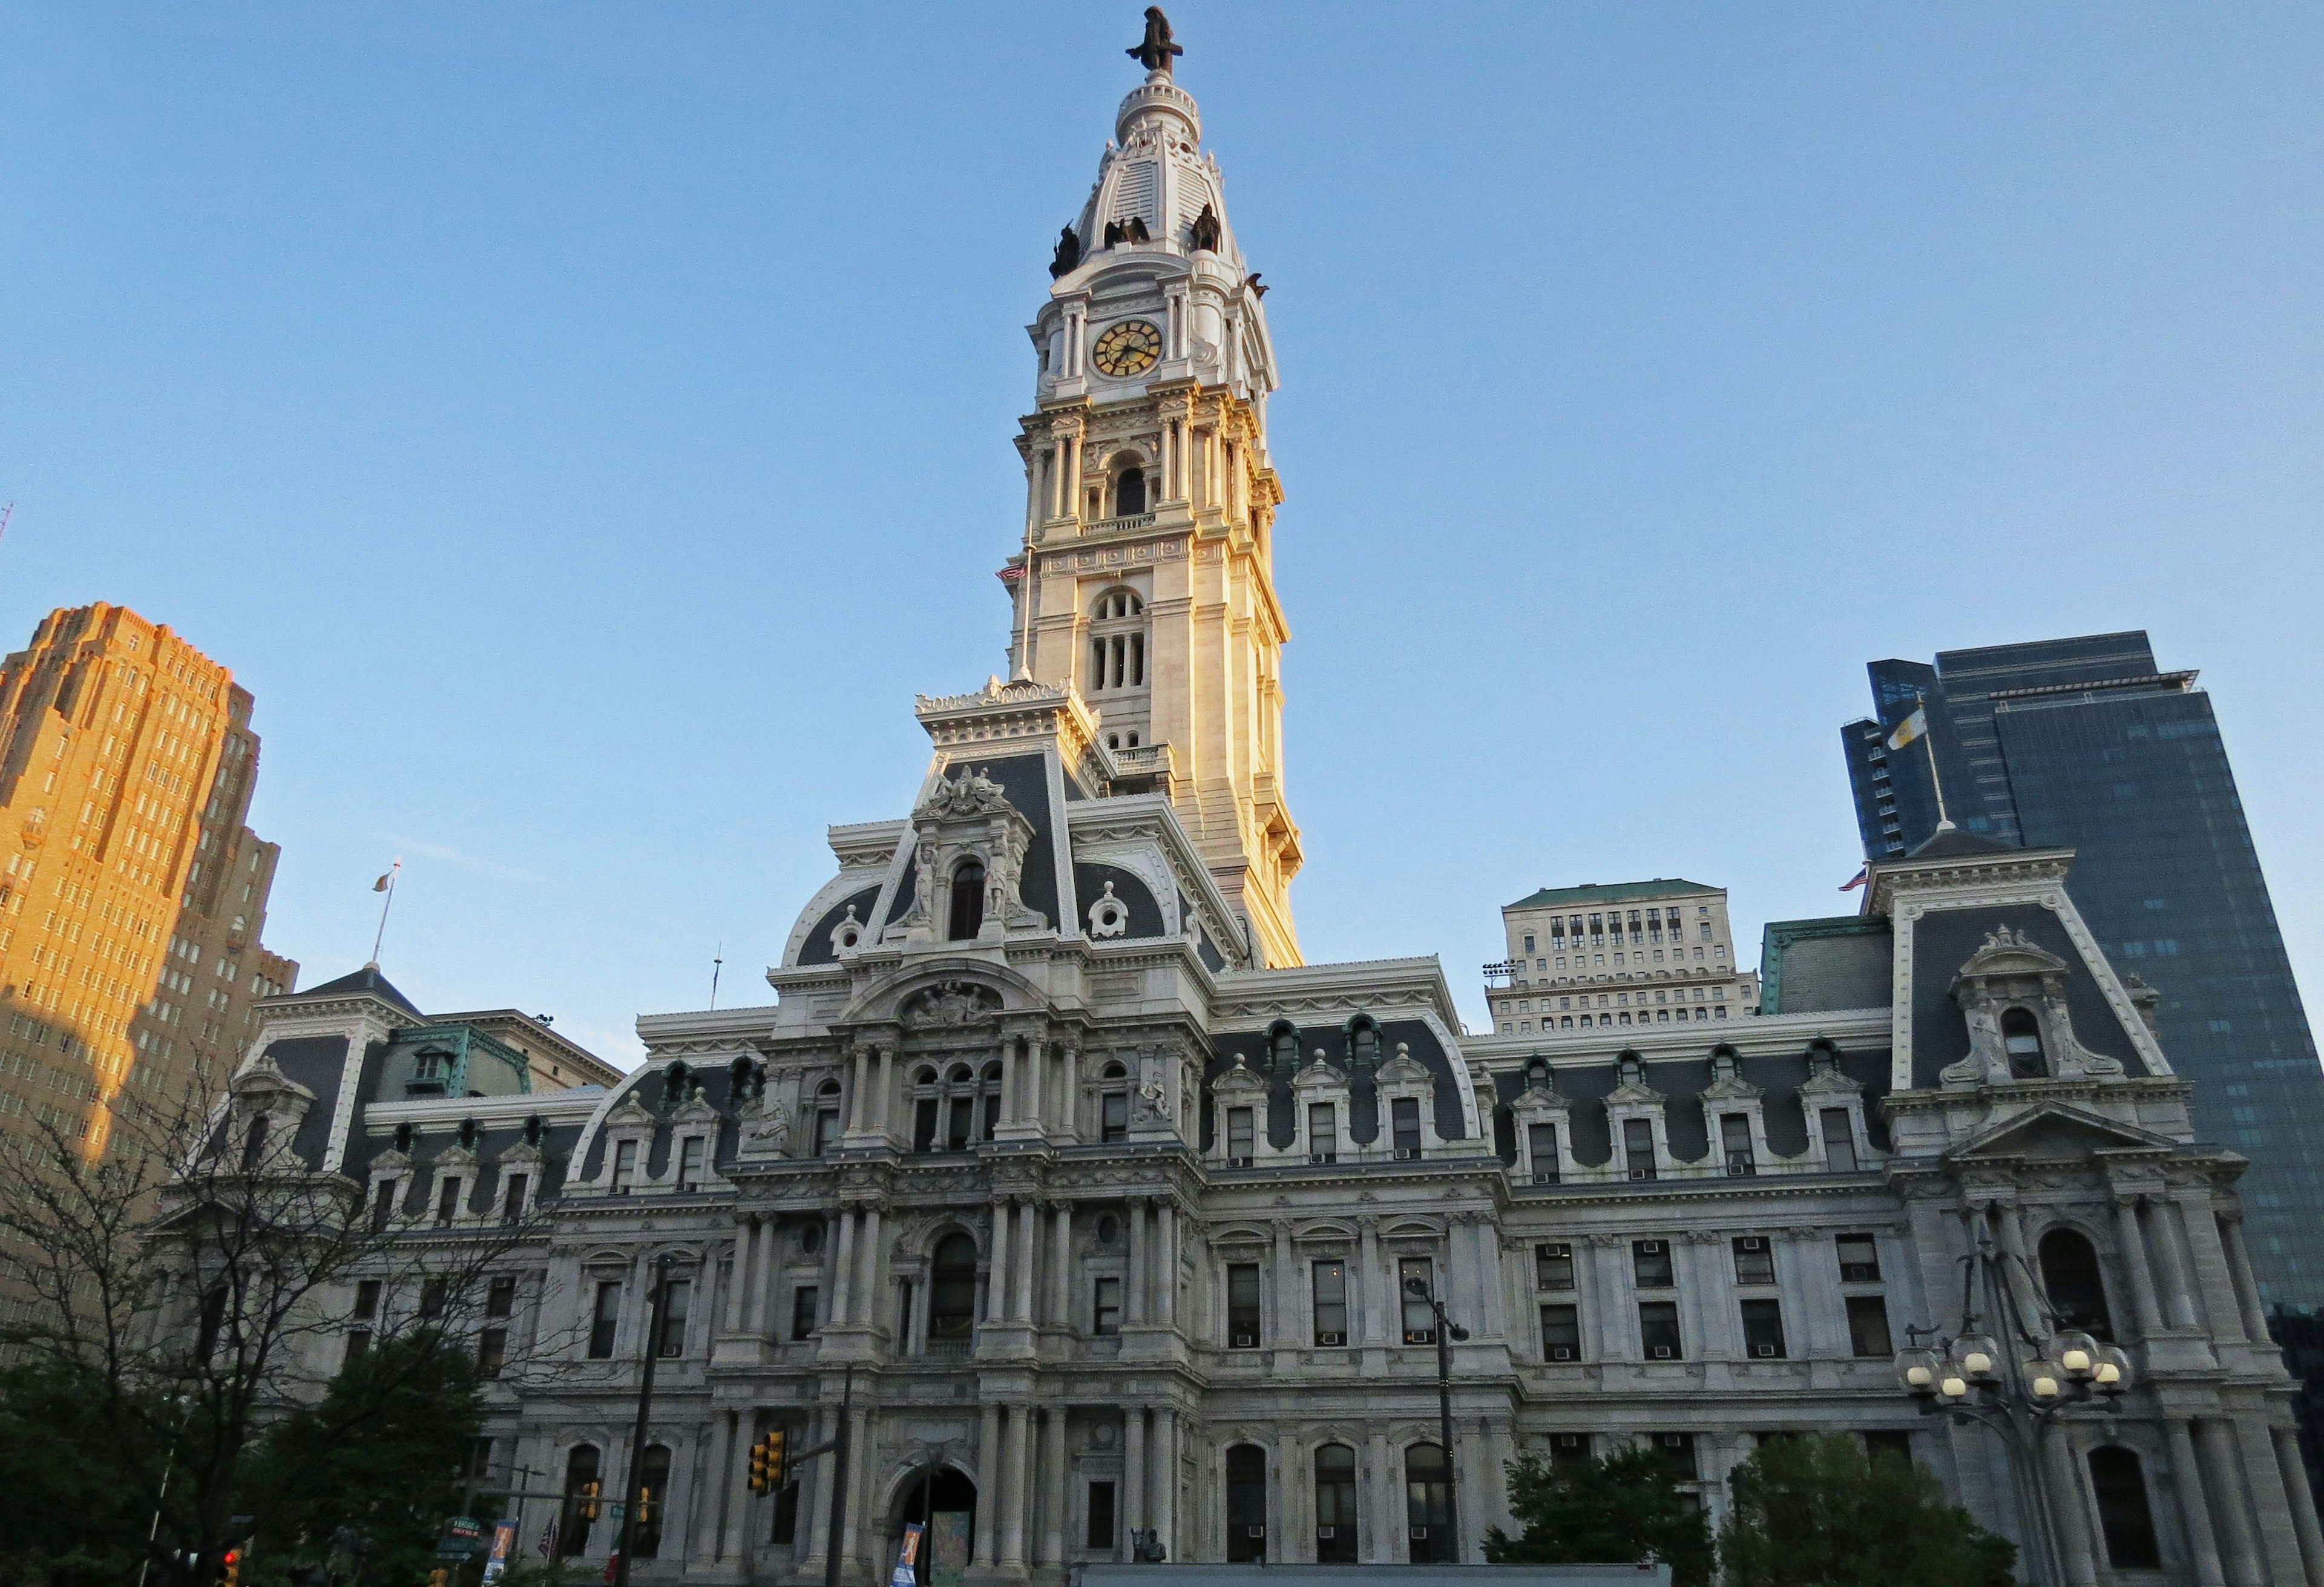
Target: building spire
<point>1154,51</point>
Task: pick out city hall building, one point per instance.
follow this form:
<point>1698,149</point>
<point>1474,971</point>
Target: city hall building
<point>1101,1212</point>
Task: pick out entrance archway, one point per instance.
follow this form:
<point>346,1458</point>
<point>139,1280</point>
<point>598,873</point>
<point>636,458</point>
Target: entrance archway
<point>943,1499</point>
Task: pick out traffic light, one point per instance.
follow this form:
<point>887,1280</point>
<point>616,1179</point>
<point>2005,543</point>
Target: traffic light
<point>229,1571</point>
<point>645,1506</point>
<point>759,1466</point>
<point>588,1508</point>
<point>438,1577</point>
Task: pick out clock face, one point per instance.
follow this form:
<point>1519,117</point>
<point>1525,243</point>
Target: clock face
<point>1127,349</point>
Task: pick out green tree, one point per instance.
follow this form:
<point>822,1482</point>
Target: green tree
<point>1815,1512</point>
<point>1622,1509</point>
<point>72,1523</point>
<point>384,1453</point>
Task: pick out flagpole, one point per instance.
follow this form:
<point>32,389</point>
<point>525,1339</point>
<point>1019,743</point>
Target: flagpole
<point>716,961</point>
<point>386,904</point>
<point>1944,822</point>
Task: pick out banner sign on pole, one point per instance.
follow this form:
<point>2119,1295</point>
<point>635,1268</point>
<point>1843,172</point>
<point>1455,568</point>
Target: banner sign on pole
<point>906,1574</point>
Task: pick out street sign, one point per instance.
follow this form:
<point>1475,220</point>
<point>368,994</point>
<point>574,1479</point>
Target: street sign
<point>466,1527</point>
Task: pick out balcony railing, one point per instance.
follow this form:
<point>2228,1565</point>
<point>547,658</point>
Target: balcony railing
<point>1119,525</point>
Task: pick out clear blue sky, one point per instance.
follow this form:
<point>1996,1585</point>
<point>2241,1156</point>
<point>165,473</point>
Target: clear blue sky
<point>584,427</point>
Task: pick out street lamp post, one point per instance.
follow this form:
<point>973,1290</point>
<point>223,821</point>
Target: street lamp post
<point>2013,1381</point>
<point>1447,1330</point>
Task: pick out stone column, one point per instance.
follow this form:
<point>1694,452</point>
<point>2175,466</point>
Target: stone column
<point>2294,1475</point>
<point>1382,1511</point>
<point>1032,1105</point>
<point>2194,1509</point>
<point>2216,1289</point>
<point>746,1234</point>
<point>1061,1279</point>
<point>2142,1273</point>
<point>1133,1476</point>
<point>857,1069</point>
<point>1614,1330</point>
<point>843,1265</point>
<point>2068,1511</point>
<point>1053,1485</point>
<point>1028,1235</point>
<point>1019,1496</point>
<point>996,1278</point>
<point>1165,1244</point>
<point>815,1504</point>
<point>860,1453</point>
<point>1287,1290</point>
<point>2279,1540</point>
<point>709,1523</point>
<point>1166,1473</point>
<point>2247,1295</point>
<point>2178,1301</point>
<point>1367,1271</point>
<point>867,1289</point>
<point>1133,1299</point>
<point>2226,1485</point>
<point>988,1477</point>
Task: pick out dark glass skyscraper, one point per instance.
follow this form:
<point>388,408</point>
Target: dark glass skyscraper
<point>2081,743</point>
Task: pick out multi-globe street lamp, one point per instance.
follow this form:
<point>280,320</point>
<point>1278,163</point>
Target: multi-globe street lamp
<point>2017,1377</point>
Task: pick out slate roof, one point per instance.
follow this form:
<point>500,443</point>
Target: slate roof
<point>1949,843</point>
<point>1609,892</point>
<point>367,979</point>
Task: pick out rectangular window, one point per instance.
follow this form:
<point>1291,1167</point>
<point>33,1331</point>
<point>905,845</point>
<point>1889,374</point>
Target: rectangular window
<point>1553,1266</point>
<point>960,1122</point>
<point>1658,1330</point>
<point>1108,1318</point>
<point>358,1343</point>
<point>1638,1148</point>
<point>1404,1113</point>
<point>1419,1316</point>
<point>804,1301</point>
<point>602,1320</point>
<point>827,1131</point>
<point>513,1203</point>
<point>1762,1330</point>
<point>447,1201</point>
<point>433,1293</point>
<point>1867,1326</point>
<point>1755,1260</point>
<point>1560,1333</point>
<point>1735,1141</point>
<point>1568,1452</point>
<point>675,1294</point>
<point>1241,1135</point>
<point>1331,1303</point>
<point>689,1165</point>
<point>1650,1264</point>
<point>1677,1452</point>
<point>1323,1132</point>
<point>1113,1116</point>
<point>924,1124</point>
<point>366,1300</point>
<point>1243,1305</point>
<point>1100,1516</point>
<point>1860,1259</point>
<point>1887,1445</point>
<point>500,1299</point>
<point>1542,1139</point>
<point>625,1166</point>
<point>1839,1140</point>
<point>492,1351</point>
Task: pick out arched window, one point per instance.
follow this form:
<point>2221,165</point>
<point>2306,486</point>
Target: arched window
<point>580,1501</point>
<point>951,1288</point>
<point>967,901</point>
<point>2021,1038</point>
<point>2120,1489</point>
<point>1130,492</point>
<point>826,1117</point>
<point>1246,1503</point>
<point>653,1476</point>
<point>2070,1272</point>
<point>944,1112</point>
<point>1428,1505</point>
<point>1283,1043</point>
<point>1335,1504</point>
<point>1363,1040</point>
<point>1117,641</point>
<point>1113,1103</point>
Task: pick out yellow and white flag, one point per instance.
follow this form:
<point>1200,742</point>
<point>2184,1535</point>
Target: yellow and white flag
<point>1914,726</point>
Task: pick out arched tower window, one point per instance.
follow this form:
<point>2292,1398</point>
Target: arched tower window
<point>1246,1503</point>
<point>2119,1487</point>
<point>1117,651</point>
<point>967,901</point>
<point>1335,1504</point>
<point>2021,1038</point>
<point>1129,490</point>
<point>951,1288</point>
<point>2070,1272</point>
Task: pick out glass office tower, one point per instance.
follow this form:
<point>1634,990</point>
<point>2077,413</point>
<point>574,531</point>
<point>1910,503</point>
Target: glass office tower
<point>2081,743</point>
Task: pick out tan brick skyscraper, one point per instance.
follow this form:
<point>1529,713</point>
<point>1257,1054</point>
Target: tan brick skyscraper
<point>132,896</point>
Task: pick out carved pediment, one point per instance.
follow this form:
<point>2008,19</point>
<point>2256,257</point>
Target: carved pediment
<point>948,1002</point>
<point>2053,1133</point>
<point>2012,953</point>
<point>1238,1081</point>
<point>971,794</point>
<point>1403,1069</point>
<point>1319,1072</point>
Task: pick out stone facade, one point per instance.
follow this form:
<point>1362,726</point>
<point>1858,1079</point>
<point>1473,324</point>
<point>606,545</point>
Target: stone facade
<point>1643,953</point>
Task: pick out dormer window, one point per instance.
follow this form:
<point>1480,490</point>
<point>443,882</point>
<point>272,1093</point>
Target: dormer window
<point>2021,1038</point>
<point>253,1145</point>
<point>967,901</point>
<point>625,1167</point>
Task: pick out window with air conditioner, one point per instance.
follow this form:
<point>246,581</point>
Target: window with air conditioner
<point>1839,1140</point>
<point>1659,1336</point>
<point>1552,1265</point>
<point>1243,1305</point>
<point>1541,1143</point>
<point>625,1167</point>
<point>691,1152</point>
<point>1419,1316</point>
<point>1762,1330</point>
<point>1113,1116</point>
<point>1860,1258</point>
<point>1735,1141</point>
<point>1331,1304</point>
<point>1242,1136</point>
<point>1676,1451</point>
<point>1755,1260</point>
<point>1560,1333</point>
<point>1569,1451</point>
<point>1404,1117</point>
<point>1650,1264</point>
<point>1638,1148</point>
<point>670,1338</point>
<point>1107,1322</point>
<point>1322,1133</point>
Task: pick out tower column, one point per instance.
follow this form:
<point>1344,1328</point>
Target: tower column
<point>996,1278</point>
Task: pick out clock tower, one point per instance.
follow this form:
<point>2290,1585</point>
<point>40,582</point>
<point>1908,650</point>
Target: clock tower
<point>1146,579</point>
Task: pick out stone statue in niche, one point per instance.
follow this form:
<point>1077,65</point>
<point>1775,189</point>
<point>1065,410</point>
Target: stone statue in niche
<point>2014,979</point>
<point>1068,254</point>
<point>1204,234</point>
<point>767,1128</point>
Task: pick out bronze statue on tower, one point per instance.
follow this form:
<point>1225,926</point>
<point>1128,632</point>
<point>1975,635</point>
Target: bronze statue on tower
<point>1155,51</point>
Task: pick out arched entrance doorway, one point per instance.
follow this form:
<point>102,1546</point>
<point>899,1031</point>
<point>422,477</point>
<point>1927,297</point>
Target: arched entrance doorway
<point>945,1502</point>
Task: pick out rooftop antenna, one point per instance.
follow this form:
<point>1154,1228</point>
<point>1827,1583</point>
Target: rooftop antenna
<point>385,884</point>
<point>718,959</point>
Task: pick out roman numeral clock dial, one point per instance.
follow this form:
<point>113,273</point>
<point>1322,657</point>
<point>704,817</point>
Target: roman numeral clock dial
<point>1130,349</point>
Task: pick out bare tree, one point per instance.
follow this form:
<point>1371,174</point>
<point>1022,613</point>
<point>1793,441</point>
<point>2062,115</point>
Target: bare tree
<point>194,1283</point>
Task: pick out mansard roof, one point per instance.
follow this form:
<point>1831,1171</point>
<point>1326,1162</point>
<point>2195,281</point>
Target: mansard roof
<point>367,979</point>
<point>1609,892</point>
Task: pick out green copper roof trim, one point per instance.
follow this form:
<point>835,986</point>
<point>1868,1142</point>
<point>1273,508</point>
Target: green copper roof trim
<point>468,1044</point>
<point>1611,892</point>
<point>1780,934</point>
